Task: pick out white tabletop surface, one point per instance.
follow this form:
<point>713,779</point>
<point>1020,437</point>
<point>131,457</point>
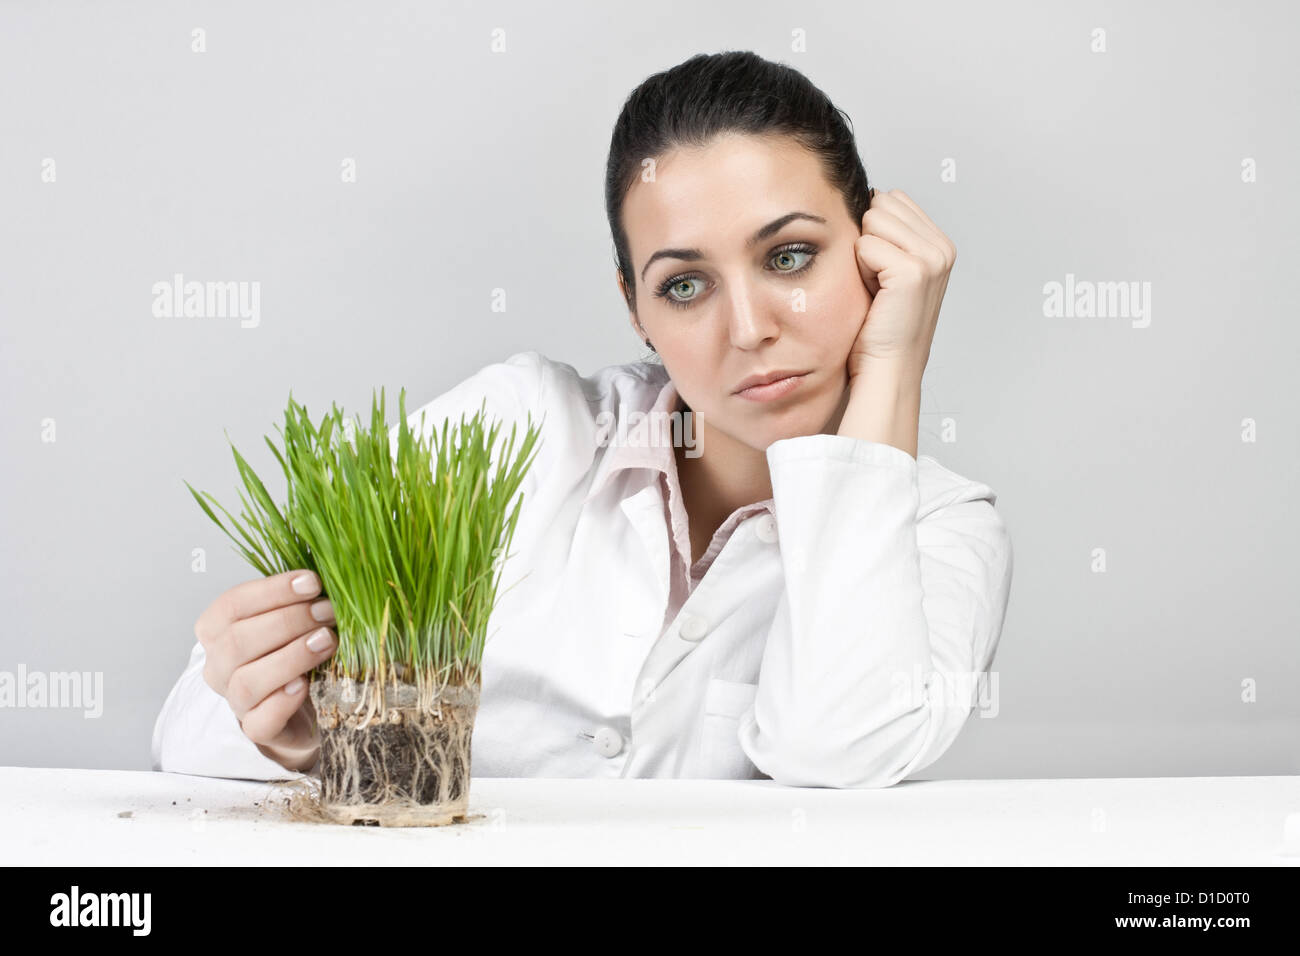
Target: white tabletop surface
<point>111,817</point>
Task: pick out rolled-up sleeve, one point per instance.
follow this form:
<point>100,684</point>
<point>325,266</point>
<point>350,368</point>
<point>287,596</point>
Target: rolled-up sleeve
<point>196,731</point>
<point>887,619</point>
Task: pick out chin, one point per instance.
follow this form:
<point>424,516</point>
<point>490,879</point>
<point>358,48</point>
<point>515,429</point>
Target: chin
<point>794,422</point>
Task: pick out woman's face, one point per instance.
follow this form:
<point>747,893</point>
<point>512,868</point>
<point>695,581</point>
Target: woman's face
<point>730,283</point>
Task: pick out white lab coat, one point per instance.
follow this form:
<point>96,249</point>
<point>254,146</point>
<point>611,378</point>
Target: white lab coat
<point>807,653</point>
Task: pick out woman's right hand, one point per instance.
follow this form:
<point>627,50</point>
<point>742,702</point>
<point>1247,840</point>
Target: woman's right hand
<point>261,638</point>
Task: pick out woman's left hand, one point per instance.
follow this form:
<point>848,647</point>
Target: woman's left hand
<point>905,260</point>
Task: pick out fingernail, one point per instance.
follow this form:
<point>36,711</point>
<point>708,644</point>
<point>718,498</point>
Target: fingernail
<point>320,640</point>
<point>293,686</point>
<point>304,584</point>
<point>322,610</point>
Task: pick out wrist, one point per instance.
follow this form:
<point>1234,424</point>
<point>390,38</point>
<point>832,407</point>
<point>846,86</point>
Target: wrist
<point>884,405</point>
<point>899,374</point>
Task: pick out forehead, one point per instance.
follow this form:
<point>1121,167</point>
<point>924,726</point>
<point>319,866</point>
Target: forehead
<point>721,192</point>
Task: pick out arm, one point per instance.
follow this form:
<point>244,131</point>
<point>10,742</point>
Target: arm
<point>885,616</point>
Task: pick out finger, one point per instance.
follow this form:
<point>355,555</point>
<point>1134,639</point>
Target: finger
<point>255,597</point>
<point>879,221</point>
<point>266,721</point>
<point>897,204</point>
<point>252,683</point>
<point>249,639</point>
<point>870,278</point>
<point>939,237</point>
<point>876,255</point>
<point>910,203</point>
<point>871,281</point>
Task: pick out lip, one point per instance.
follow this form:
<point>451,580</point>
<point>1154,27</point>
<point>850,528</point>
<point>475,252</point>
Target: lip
<point>770,385</point>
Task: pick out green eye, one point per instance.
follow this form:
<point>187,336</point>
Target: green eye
<point>787,260</point>
<point>681,289</point>
<point>668,291</point>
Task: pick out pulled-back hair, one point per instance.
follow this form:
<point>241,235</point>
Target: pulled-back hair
<point>732,92</point>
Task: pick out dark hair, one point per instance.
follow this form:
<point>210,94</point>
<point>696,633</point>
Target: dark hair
<point>713,93</point>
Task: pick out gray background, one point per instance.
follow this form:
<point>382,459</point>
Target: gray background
<point>479,170</point>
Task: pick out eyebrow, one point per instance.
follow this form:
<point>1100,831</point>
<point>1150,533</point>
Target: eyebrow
<point>773,227</point>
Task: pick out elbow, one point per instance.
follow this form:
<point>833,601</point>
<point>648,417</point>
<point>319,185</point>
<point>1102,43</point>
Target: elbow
<point>875,760</point>
<point>157,740</point>
<point>165,748</point>
<point>803,765</point>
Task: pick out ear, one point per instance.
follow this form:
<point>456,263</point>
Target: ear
<point>631,313</point>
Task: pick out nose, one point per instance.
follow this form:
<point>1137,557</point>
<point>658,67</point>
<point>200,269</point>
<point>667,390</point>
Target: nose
<point>751,320</point>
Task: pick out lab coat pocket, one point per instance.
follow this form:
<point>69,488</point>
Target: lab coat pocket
<point>725,702</point>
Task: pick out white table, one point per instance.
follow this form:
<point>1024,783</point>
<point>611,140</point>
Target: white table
<point>102,817</point>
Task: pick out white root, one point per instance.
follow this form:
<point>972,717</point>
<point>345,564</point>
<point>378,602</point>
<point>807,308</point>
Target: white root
<point>399,756</point>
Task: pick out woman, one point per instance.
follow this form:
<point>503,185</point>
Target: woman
<point>730,564</point>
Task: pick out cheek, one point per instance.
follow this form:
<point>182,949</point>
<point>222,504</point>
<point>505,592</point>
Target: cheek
<point>837,304</point>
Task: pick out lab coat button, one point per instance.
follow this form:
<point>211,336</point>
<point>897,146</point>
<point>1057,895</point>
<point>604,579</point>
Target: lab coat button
<point>609,742</point>
<point>693,628</point>
<point>766,529</point>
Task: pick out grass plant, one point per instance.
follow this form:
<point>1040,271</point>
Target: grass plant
<point>408,531</point>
